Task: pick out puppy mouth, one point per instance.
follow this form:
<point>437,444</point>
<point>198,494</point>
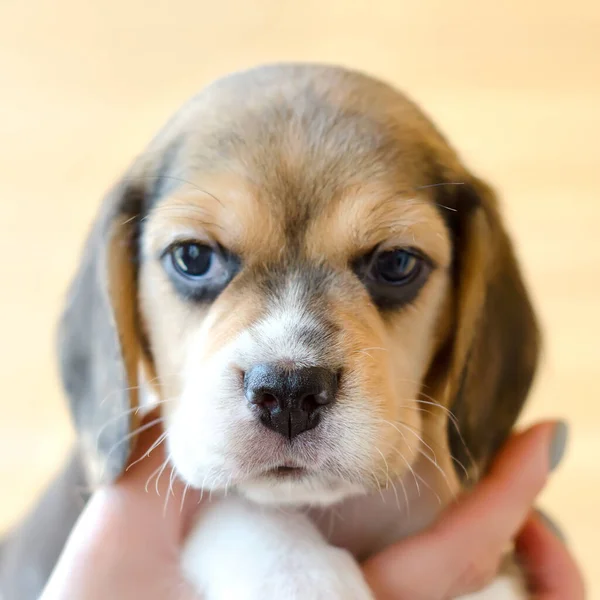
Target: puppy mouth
<point>286,471</point>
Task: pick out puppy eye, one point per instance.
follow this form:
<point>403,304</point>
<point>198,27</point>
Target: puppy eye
<point>396,267</point>
<point>394,277</point>
<point>192,260</point>
<point>198,271</point>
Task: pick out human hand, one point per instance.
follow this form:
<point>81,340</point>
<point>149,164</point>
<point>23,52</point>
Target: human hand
<point>127,542</point>
<point>461,553</point>
<point>127,546</point>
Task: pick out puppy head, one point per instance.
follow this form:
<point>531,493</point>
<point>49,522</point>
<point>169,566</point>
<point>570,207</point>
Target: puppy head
<point>298,258</point>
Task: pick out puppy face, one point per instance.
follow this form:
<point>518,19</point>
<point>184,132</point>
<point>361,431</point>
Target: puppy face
<point>301,281</point>
<point>350,306</point>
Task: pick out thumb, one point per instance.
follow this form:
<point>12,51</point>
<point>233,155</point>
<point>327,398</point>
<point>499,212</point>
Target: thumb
<point>463,549</point>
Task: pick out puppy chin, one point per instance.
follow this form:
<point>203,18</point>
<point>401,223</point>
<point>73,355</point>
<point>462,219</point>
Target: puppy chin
<point>308,491</point>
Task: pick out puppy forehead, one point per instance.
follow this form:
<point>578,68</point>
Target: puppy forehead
<point>273,161</point>
<point>329,120</point>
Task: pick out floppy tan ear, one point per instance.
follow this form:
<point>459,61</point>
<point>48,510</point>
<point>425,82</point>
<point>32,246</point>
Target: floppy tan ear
<point>496,341</point>
<point>98,340</point>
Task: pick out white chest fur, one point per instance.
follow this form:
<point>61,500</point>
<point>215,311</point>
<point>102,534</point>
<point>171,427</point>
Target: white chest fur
<point>243,551</point>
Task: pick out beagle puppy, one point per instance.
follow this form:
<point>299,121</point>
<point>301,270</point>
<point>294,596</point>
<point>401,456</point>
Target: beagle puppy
<point>322,303</point>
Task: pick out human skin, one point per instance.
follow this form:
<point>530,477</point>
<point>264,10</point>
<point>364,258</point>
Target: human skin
<point>127,542</point>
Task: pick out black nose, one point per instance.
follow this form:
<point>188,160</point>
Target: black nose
<point>290,399</point>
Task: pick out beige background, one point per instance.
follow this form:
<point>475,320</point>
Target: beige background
<point>515,85</point>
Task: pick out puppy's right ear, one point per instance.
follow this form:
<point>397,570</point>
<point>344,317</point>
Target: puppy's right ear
<point>99,349</point>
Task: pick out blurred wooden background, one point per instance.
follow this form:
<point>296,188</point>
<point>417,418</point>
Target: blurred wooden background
<point>515,85</point>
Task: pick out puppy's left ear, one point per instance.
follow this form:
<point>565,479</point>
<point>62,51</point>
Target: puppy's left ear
<point>495,345</point>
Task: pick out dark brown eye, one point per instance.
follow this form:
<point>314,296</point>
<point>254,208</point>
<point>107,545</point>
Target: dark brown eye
<point>396,267</point>
<point>393,277</point>
<point>193,260</point>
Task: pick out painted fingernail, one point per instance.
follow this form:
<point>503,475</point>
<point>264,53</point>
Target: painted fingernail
<point>551,525</point>
<point>558,444</point>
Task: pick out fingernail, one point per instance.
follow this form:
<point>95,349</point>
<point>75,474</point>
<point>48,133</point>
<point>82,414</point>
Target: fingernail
<point>558,444</point>
<point>551,525</point>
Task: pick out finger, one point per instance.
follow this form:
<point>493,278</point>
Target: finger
<point>552,571</point>
<point>501,502</point>
<point>465,546</point>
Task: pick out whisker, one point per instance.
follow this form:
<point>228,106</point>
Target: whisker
<point>431,402</point>
<point>406,499</point>
<point>378,486</point>
<point>410,468</point>
<point>161,438</point>
<point>170,491</point>
<point>187,210</point>
<point>462,467</point>
<point>396,428</point>
<point>387,466</point>
<point>439,468</point>
<point>155,380</point>
<point>365,351</point>
<point>440,184</point>
<point>114,419</point>
<point>118,391</point>
<point>422,480</point>
<point>135,432</point>
<point>173,178</point>
<point>152,475</point>
<point>185,490</point>
<point>417,477</point>
<point>454,420</point>
<point>172,480</point>
<point>433,460</point>
<point>202,487</point>
<point>438,498</point>
<point>168,494</point>
<point>389,481</point>
<point>420,438</point>
<point>165,464</point>
<point>135,409</point>
<point>227,484</point>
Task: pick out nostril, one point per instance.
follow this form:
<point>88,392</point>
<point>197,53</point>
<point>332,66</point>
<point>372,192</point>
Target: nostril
<point>262,398</point>
<point>268,401</point>
<point>310,403</point>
